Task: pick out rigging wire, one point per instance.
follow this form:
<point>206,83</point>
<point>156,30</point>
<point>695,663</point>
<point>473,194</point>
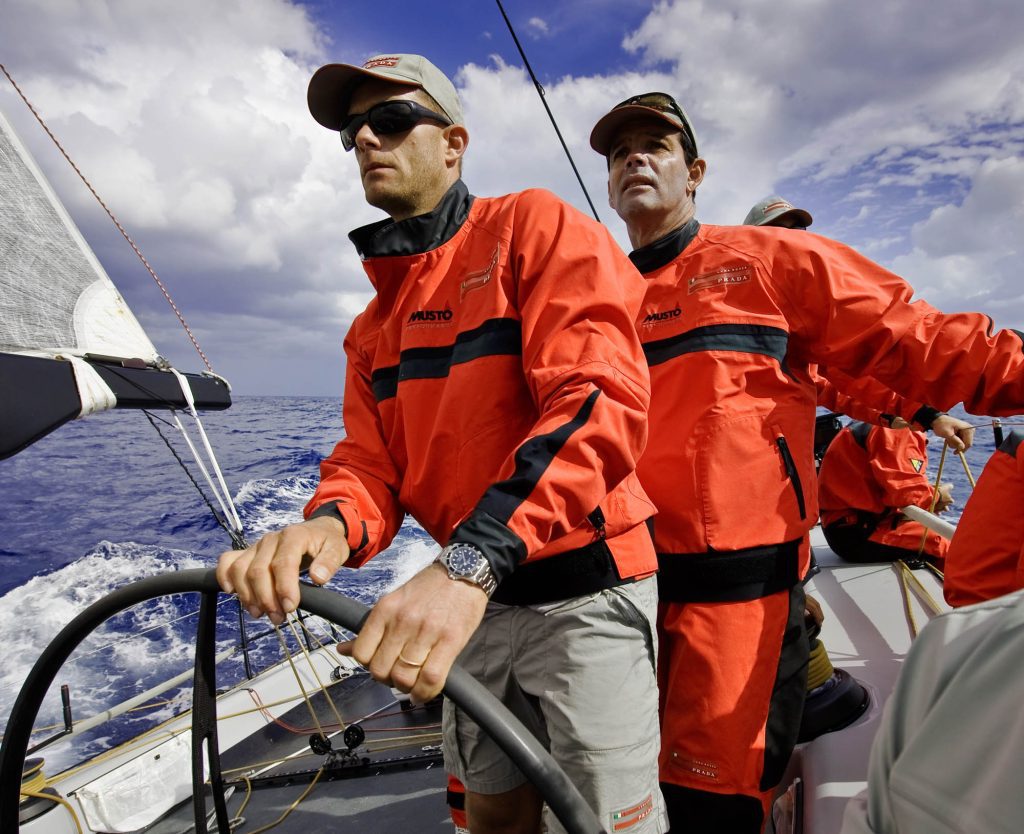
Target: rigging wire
<point>544,101</point>
<point>116,222</point>
<point>236,536</point>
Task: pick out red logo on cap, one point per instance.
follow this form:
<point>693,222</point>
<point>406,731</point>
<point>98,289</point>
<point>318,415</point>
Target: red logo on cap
<point>382,61</point>
<point>778,205</point>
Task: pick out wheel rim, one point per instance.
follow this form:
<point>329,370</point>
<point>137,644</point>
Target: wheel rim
<point>514,739</point>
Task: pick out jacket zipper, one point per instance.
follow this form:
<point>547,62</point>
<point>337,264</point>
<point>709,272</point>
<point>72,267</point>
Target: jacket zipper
<point>794,476</point>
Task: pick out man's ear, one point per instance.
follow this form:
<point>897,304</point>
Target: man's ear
<point>458,140</point>
<point>695,176</point>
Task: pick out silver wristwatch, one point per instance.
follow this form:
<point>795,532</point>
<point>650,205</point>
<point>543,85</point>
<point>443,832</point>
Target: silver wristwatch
<point>467,562</point>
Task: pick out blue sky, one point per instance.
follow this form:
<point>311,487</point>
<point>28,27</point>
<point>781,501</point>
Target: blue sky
<point>900,126</point>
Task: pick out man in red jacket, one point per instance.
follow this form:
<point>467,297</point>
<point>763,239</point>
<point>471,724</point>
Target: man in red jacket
<point>495,390</point>
<point>733,320</point>
<point>986,556</point>
<point>869,473</point>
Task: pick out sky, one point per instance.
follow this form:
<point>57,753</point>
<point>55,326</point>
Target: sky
<point>898,125</point>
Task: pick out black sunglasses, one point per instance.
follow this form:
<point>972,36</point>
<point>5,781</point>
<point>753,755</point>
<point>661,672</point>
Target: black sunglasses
<point>387,118</point>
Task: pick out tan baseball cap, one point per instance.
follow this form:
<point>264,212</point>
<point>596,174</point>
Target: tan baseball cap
<point>331,86</point>
<point>644,106</point>
<point>771,209</point>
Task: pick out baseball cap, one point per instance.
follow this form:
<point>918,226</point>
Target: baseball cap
<point>646,105</point>
<point>331,86</point>
<point>773,208</point>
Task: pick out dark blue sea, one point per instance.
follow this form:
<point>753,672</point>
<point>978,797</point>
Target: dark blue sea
<point>102,502</point>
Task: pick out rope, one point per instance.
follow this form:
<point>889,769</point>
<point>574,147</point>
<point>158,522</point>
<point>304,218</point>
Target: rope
<point>223,495</point>
<point>291,807</point>
<point>60,800</point>
<point>544,101</point>
<point>819,667</point>
<point>35,788</point>
<point>935,498</point>
<point>906,576</point>
<point>967,468</point>
<point>298,680</point>
<point>237,540</point>
<point>312,667</point>
<point>116,222</point>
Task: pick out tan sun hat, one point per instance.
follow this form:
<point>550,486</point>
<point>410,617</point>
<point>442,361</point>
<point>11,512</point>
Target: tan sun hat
<point>772,209</point>
<point>646,105</point>
<point>332,85</point>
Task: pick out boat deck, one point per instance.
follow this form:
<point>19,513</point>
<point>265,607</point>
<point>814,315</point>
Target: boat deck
<point>394,777</point>
<point>867,631</point>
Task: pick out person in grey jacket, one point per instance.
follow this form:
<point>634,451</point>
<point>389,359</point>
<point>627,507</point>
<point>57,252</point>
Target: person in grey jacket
<point>949,752</point>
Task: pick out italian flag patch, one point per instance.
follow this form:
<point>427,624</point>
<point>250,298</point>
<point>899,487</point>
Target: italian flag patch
<point>633,815</point>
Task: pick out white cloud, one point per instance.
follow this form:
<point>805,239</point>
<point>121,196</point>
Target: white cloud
<point>538,26</point>
<point>902,135</point>
<point>969,256</point>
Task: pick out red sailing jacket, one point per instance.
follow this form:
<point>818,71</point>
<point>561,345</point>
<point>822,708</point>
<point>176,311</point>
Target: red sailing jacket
<point>874,470</point>
<point>733,319</point>
<point>986,557</point>
<point>495,387</point>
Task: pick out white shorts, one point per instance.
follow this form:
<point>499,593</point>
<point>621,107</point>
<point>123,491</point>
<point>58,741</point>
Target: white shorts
<point>580,674</point>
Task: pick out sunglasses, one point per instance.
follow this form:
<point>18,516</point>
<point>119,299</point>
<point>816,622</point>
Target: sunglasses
<point>386,119</point>
<point>664,103</point>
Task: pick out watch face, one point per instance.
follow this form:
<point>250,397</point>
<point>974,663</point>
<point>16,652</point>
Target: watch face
<point>464,559</point>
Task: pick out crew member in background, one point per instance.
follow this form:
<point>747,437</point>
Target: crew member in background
<point>869,473</point>
<point>986,556</point>
<point>734,318</point>
<point>495,390</point>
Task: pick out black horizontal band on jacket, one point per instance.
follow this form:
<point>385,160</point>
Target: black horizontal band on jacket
<point>495,337</point>
<point>575,573</point>
<point>533,458</point>
<point>728,575</point>
<point>742,338</point>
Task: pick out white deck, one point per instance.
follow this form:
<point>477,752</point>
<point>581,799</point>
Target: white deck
<point>866,632</point>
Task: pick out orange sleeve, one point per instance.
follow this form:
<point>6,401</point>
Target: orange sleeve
<point>859,317</point>
<point>359,481</point>
<point>986,556</point>
<point>897,462</point>
<point>578,298</point>
<point>863,398</point>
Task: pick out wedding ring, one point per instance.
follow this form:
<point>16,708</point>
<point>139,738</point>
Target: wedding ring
<point>408,662</point>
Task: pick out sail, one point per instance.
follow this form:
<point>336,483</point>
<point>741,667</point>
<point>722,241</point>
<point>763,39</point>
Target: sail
<point>55,297</point>
<point>69,344</point>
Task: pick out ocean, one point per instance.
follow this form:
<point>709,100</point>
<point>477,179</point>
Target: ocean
<point>102,502</point>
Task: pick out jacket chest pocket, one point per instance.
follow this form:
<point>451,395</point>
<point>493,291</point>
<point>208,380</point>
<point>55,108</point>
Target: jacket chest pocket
<point>754,481</point>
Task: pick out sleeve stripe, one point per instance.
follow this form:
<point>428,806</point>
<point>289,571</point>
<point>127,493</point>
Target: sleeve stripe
<point>533,458</point>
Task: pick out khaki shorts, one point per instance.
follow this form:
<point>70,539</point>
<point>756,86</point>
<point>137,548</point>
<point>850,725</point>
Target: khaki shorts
<point>580,674</point>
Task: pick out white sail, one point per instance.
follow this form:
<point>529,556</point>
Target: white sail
<point>55,297</point>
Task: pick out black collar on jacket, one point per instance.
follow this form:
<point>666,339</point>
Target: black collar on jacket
<point>417,234</point>
<point>664,250</point>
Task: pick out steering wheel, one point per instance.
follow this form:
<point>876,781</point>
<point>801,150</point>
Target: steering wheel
<point>514,739</point>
